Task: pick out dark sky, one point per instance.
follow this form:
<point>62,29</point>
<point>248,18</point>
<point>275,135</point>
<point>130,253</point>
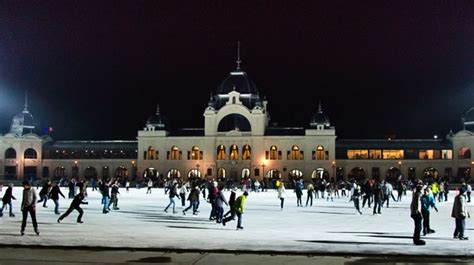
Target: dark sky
<point>96,70</point>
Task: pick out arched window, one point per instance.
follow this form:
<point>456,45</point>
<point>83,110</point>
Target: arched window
<point>464,153</point>
<point>194,173</point>
<point>10,153</point>
<point>320,154</point>
<point>90,173</point>
<point>220,152</point>
<point>59,172</point>
<point>105,172</point>
<point>295,153</point>
<point>295,174</point>
<point>273,154</point>
<point>174,154</point>
<point>174,173</point>
<point>245,173</point>
<point>233,152</point>
<point>234,122</point>
<point>246,152</point>
<point>151,173</point>
<point>30,153</point>
<point>221,173</point>
<point>320,173</point>
<point>152,154</point>
<point>121,171</point>
<point>195,153</point>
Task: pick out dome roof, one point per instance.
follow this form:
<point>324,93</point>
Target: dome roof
<point>157,120</point>
<point>239,81</point>
<point>22,123</point>
<point>319,118</point>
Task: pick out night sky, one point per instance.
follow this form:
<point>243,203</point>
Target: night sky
<point>96,70</point>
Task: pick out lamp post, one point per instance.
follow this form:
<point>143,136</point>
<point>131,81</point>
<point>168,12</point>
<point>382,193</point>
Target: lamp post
<point>264,178</point>
<point>334,170</point>
<point>400,168</point>
<point>199,172</point>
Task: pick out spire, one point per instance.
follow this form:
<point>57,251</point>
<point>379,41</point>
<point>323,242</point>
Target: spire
<point>238,56</point>
<point>26,101</point>
<point>157,109</point>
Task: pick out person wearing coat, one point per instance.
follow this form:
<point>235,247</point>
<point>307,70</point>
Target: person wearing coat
<point>7,200</point>
<point>460,213</point>
<point>44,193</point>
<point>281,194</point>
<point>28,205</point>
<point>75,205</point>
<point>427,202</point>
<point>54,195</point>
<point>415,210</point>
<point>239,210</point>
<point>220,201</point>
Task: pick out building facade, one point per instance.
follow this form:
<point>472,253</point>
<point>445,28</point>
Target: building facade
<point>235,142</point>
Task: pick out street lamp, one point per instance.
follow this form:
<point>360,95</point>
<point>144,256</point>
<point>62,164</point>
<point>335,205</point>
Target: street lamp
<point>334,170</point>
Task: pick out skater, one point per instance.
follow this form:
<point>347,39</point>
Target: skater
<point>239,210</point>
<point>104,189</point>
<point>44,193</point>
<point>220,201</point>
<point>415,208</point>
<point>114,196</point>
<point>54,195</point>
<point>72,188</point>
<point>281,194</point>
<point>355,197</point>
<point>310,190</point>
<point>427,201</point>
<point>193,199</point>
<point>75,205</point>
<point>460,213</point>
<point>94,184</point>
<point>377,192</point>
<point>231,203</point>
<point>182,194</point>
<point>127,186</point>
<point>7,200</point>
<point>299,193</point>
<point>28,205</point>
<point>173,192</point>
<point>150,185</point>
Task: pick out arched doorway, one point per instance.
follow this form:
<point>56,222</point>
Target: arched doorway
<point>194,174</point>
<point>295,174</point>
<point>392,174</point>
<point>90,173</point>
<point>319,174</point>
<point>30,153</point>
<point>121,172</point>
<point>430,175</point>
<point>151,173</point>
<point>221,173</point>
<point>274,174</point>
<point>173,173</point>
<point>245,173</point>
<point>357,174</point>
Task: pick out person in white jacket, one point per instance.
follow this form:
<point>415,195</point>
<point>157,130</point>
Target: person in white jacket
<point>281,194</point>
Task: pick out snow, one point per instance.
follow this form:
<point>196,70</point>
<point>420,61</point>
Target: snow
<point>327,227</point>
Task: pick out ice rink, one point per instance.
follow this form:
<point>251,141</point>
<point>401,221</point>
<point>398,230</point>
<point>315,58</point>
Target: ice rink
<point>326,227</point>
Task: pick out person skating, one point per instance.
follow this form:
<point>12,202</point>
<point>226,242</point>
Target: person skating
<point>231,203</point>
<point>173,192</point>
<point>460,213</point>
<point>239,210</point>
<point>28,205</point>
<point>182,194</point>
<point>356,194</point>
<point>427,201</point>
<point>149,185</point>
<point>7,200</point>
<point>310,191</point>
<point>43,194</point>
<point>220,201</point>
<point>193,199</point>
<point>114,196</point>
<point>54,195</point>
<point>299,193</point>
<point>75,205</point>
<point>377,193</point>
<point>281,194</point>
<point>415,210</point>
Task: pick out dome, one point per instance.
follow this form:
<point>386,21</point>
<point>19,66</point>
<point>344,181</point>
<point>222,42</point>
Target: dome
<point>156,121</point>
<point>240,82</point>
<point>22,123</point>
<point>319,118</point>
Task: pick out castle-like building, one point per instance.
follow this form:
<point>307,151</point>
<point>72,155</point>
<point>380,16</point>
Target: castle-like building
<point>236,141</point>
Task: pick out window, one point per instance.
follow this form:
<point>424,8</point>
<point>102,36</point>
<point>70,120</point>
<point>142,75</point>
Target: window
<point>357,154</point>
<point>90,172</point>
<point>274,153</point>
<point>220,152</point>
<point>75,171</point>
<point>121,171</point>
<point>195,153</point>
<point>464,153</point>
<point>375,154</point>
<point>246,152</point>
<point>151,153</point>
<point>447,154</point>
<point>59,172</point>
<point>10,153</point>
<point>30,153</point>
<point>105,172</point>
<point>295,153</point>
<point>234,152</point>
<point>425,154</point>
<point>175,154</point>
<point>320,154</point>
<point>392,154</point>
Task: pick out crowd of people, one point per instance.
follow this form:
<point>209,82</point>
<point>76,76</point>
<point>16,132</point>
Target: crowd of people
<point>375,194</point>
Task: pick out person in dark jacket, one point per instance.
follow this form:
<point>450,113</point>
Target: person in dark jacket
<point>193,199</point>
<point>231,203</point>
<point>54,195</point>
<point>75,205</point>
<point>44,193</point>
<point>7,199</point>
<point>114,198</point>
<point>220,201</point>
<point>173,192</point>
<point>377,192</point>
